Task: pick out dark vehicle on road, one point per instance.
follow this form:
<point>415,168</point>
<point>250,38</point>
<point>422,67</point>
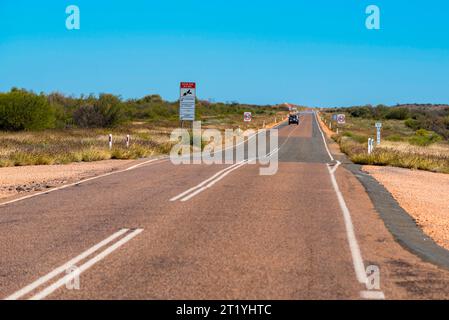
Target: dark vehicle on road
<point>293,118</point>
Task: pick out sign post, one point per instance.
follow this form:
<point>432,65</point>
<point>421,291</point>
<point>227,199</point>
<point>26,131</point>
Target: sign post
<point>378,127</point>
<point>341,120</point>
<point>187,102</point>
<point>247,117</point>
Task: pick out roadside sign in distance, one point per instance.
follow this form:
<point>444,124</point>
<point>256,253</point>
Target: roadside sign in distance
<point>378,125</point>
<point>247,117</point>
<point>334,117</point>
<point>187,101</point>
<point>341,119</point>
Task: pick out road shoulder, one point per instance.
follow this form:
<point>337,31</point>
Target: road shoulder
<point>398,221</point>
<point>22,181</point>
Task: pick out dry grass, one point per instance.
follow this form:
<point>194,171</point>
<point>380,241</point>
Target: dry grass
<point>61,147</point>
<point>77,145</point>
<point>395,149</point>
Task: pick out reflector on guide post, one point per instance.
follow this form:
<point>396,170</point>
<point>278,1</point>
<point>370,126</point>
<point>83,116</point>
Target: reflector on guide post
<point>187,101</point>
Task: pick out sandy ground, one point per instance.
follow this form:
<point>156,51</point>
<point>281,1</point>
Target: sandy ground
<point>21,180</point>
<point>424,195</point>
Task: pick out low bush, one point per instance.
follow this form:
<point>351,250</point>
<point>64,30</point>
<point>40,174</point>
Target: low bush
<point>394,138</point>
<point>23,110</point>
<point>423,137</point>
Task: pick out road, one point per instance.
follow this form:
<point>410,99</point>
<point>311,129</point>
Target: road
<point>303,233</point>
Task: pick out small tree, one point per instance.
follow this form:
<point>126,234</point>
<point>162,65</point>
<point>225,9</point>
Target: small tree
<point>103,112</point>
<point>23,110</point>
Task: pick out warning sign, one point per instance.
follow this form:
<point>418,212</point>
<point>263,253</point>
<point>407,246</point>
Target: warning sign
<point>187,101</point>
<point>247,116</point>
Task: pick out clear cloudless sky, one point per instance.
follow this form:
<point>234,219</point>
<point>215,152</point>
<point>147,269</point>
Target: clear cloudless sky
<point>316,53</point>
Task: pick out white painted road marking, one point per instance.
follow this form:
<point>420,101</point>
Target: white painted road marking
<point>82,181</point>
<point>66,279</point>
<point>357,259</point>
<point>210,184</point>
<point>324,139</point>
<point>353,245</point>
<point>204,182</point>
<point>62,269</point>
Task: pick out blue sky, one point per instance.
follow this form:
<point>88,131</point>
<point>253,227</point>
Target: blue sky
<point>315,53</point>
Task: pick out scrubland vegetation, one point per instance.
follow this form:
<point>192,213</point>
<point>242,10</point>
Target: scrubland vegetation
<point>39,129</point>
<point>413,136</point>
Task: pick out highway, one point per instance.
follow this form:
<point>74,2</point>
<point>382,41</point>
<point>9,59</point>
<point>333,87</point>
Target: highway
<point>154,232</point>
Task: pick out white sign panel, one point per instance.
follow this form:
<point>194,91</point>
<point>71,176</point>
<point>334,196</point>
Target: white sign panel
<point>247,116</point>
<point>378,126</point>
<point>341,119</point>
<point>187,101</point>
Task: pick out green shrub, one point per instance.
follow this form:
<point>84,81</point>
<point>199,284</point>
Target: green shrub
<point>103,112</point>
<point>356,137</point>
<point>95,155</point>
<point>394,138</point>
<point>398,114</point>
<point>23,110</point>
<point>423,137</point>
<point>412,123</point>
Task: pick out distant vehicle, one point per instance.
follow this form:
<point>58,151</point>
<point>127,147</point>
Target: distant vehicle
<point>293,118</point>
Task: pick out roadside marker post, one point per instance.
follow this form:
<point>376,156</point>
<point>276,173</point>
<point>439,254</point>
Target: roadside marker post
<point>127,140</point>
<point>370,145</point>
<point>110,141</point>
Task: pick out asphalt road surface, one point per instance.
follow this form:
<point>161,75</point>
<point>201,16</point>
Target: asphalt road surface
<point>307,232</point>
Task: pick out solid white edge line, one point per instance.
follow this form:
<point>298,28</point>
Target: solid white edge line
<point>353,245</point>
<point>324,139</point>
<point>52,288</point>
<point>357,259</point>
<point>336,166</point>
<point>20,293</point>
<point>80,182</point>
